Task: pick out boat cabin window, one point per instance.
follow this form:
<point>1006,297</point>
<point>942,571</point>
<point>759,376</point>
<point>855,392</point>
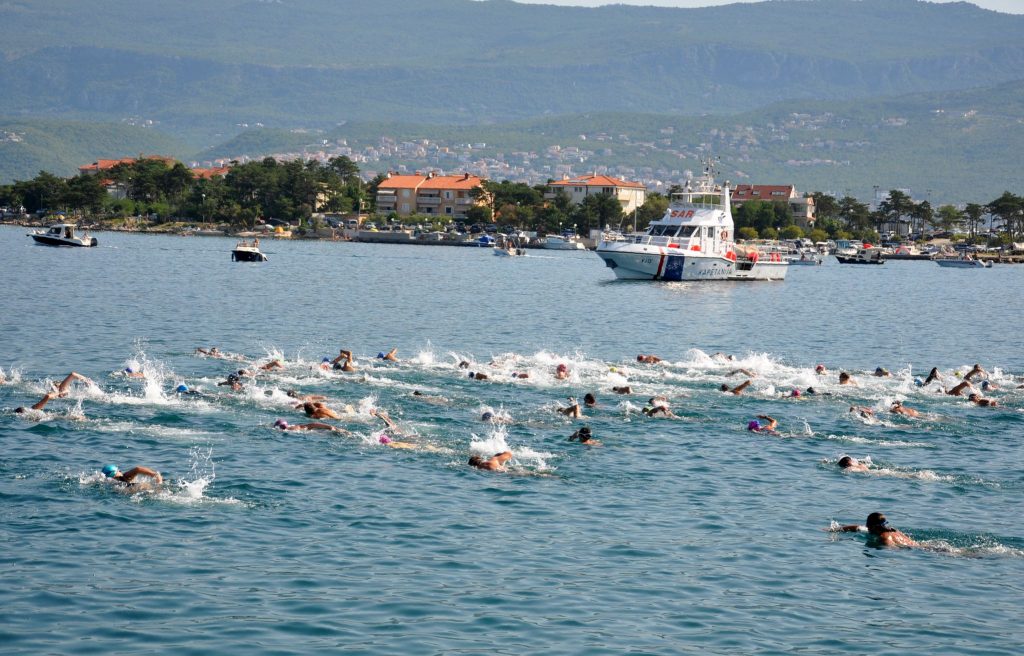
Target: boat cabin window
<point>67,232</point>
<point>681,232</point>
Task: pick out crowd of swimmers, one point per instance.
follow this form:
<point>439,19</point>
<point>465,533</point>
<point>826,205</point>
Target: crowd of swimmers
<point>314,407</point>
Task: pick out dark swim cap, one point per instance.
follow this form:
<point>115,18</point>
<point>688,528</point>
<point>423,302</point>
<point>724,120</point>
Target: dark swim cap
<point>487,416</point>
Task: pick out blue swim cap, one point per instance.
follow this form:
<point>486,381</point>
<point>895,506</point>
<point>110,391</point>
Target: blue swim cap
<point>128,370</point>
<point>109,470</point>
<point>182,388</point>
<point>381,355</point>
<point>919,382</point>
<point>753,425</point>
<point>326,360</point>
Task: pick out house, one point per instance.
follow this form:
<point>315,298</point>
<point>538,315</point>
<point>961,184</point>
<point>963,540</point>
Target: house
<point>800,208</point>
<point>630,194</point>
<point>445,195</point>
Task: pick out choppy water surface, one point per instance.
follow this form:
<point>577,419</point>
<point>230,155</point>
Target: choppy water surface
<point>676,534</point>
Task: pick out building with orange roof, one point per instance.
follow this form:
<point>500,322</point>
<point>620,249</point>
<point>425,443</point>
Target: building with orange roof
<point>630,194</point>
<point>200,173</point>
<point>443,195</point>
<point>802,209</point>
<point>107,164</point>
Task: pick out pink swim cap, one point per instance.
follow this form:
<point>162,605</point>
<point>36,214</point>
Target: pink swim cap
<point>562,367</point>
<point>281,423</point>
<point>795,392</point>
<point>384,439</point>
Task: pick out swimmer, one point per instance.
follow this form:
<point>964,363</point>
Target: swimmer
<point>722,356</point>
<point>623,389</point>
<point>584,436</point>
<point>317,410</point>
<point>813,392</point>
<point>736,390</point>
<point>820,370</point>
<point>59,392</point>
<point>648,359</point>
<point>900,409</point>
<point>976,370</point>
<point>273,364</point>
<point>573,410</point>
<point>846,379</point>
<point>478,376</point>
<point>131,372</point>
<point>487,416</point>
<point>389,356</point>
<point>958,390</point>
<point>795,394</point>
<point>979,400</point>
<point>213,352</point>
<point>305,397</point>
<point>463,364</point>
<point>988,386</point>
<point>755,426</point>
<point>659,410</point>
<point>281,424</point>
<point>521,375</point>
<point>932,375</point>
<point>128,477</point>
<point>846,463</point>
<point>590,400</point>
<point>185,390</point>
<point>233,381</point>
<point>879,528</point>
<point>561,371</point>
<point>882,372</point>
<point>494,463</point>
<point>863,411</point>
<point>746,372</point>
<point>429,398</point>
<point>388,421</point>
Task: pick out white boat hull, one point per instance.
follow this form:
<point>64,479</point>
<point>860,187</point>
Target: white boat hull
<point>639,262</point>
<point>963,264</point>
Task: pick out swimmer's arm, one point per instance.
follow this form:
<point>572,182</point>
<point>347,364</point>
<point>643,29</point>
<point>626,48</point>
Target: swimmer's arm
<point>131,474</point>
<point>851,528</point>
<point>501,458</point>
<point>43,401</point>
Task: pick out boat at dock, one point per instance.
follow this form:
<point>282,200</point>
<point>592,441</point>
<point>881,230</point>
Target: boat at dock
<point>864,255</point>
<point>692,241</point>
<point>564,243</point>
<point>248,252</point>
<point>62,234</point>
<point>962,262</point>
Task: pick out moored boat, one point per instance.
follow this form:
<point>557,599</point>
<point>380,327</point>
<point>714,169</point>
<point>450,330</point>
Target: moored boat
<point>864,255</point>
<point>248,252</point>
<point>62,234</point>
<point>692,241</point>
<point>569,243</point>
<point>962,262</point>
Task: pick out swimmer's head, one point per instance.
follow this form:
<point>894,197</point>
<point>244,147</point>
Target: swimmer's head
<point>877,523</point>
<point>384,439</point>
<point>129,370</point>
<point>919,382</point>
<point>613,369</point>
<point>754,425</point>
<point>233,378</point>
<point>810,390</point>
<point>20,410</point>
<point>820,368</point>
<point>881,371</point>
<point>843,376</point>
<point>380,355</point>
<point>985,384</point>
<point>723,387</point>
<point>795,392</point>
<point>109,470</point>
<point>182,388</point>
<point>589,399</point>
<point>324,360</point>
<point>471,374</point>
<point>640,358</point>
<point>281,423</point>
<point>476,461</point>
<point>583,434</point>
<point>487,416</point>
<point>973,397</point>
<point>846,462</point>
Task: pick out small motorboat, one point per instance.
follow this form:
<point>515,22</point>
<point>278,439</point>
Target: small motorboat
<point>962,262</point>
<point>864,255</point>
<point>806,258</point>
<point>248,252</point>
<point>508,247</point>
<point>62,234</point>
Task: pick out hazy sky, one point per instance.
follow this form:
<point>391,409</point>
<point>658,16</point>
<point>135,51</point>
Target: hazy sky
<point>1008,6</point>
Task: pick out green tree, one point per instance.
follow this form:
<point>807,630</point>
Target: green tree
<point>746,233</point>
<point>84,192</point>
<point>791,232</point>
<point>892,210</point>
<point>654,208</point>
<point>825,206</point>
<point>769,233</point>
<point>948,217</point>
<point>973,215</point>
<point>1009,209</point>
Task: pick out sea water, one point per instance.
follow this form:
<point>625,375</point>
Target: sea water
<point>685,534</point>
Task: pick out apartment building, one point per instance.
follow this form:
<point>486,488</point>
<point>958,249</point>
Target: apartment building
<point>444,195</point>
<point>630,194</point>
<point>802,209</point>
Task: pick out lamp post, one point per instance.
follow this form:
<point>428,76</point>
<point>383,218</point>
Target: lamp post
<point>203,208</point>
